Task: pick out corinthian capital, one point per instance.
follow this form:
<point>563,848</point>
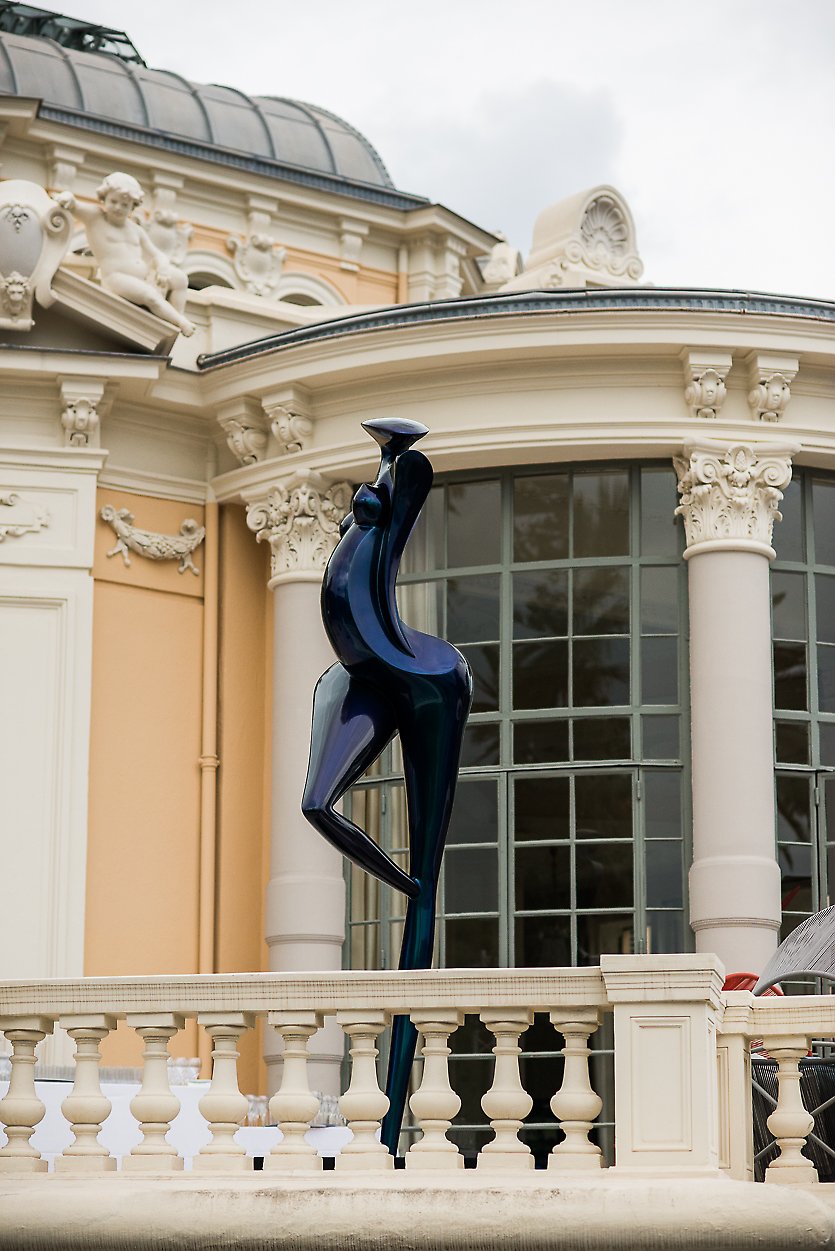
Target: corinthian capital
<point>300,521</point>
<point>730,495</point>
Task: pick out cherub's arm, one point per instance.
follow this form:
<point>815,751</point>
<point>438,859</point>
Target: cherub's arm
<point>86,213</point>
<point>152,253</point>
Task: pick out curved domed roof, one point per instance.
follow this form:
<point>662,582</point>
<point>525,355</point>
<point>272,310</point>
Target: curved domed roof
<point>266,127</point>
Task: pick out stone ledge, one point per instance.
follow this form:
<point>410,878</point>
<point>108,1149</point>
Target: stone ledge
<point>400,1212</point>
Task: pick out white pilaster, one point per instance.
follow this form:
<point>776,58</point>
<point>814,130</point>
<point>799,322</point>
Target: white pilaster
<point>305,907</point>
<point>729,501</point>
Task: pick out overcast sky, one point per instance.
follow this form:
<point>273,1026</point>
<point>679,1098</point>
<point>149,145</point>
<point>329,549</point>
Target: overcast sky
<point>715,118</point>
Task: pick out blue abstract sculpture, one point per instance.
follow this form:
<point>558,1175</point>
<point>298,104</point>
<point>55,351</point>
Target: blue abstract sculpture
<point>388,679</point>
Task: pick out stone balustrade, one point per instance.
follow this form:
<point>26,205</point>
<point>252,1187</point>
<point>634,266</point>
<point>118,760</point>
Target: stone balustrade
<point>682,1078</point>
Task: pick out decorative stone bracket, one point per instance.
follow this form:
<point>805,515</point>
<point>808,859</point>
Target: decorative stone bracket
<point>84,403</point>
<point>704,382</point>
<point>151,545</point>
<point>731,494</point>
<point>24,518</point>
<point>243,424</point>
<point>770,380</point>
<point>290,424</point>
<point>300,521</point>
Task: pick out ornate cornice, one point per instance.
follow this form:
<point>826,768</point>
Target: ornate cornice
<point>730,495</point>
<point>300,521</point>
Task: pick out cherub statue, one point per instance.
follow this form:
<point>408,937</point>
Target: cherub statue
<point>129,263</point>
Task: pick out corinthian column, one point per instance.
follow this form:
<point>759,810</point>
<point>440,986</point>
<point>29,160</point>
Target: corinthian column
<point>729,502</point>
<point>305,907</point>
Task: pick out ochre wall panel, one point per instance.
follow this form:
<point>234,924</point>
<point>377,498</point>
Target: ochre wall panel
<point>143,850</point>
<point>242,817</point>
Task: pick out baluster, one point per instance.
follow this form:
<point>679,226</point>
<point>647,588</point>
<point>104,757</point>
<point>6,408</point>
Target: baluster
<point>21,1109</point>
<point>155,1106</point>
<point>86,1108</point>
<point>363,1105</point>
<point>223,1105</point>
<point>435,1103</point>
<point>294,1105</point>
<point>575,1104</point>
<point>790,1123</point>
<point>507,1103</point>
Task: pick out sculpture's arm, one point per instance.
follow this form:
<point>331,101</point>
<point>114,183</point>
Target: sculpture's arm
<point>152,253</point>
<point>86,213</point>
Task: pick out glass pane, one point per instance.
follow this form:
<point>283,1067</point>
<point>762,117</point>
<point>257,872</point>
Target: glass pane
<point>602,738</point>
<point>425,548</point>
<point>603,936</point>
<point>661,530</point>
<point>660,738</point>
<point>472,943</point>
<point>826,677</point>
<point>823,508</point>
<point>662,803</point>
<point>475,813</point>
<point>826,732</point>
<point>481,746</point>
<point>540,517</point>
<point>540,674</point>
<point>601,600</point>
<point>484,662</point>
<point>603,805</point>
<point>664,876</point>
<point>365,947</point>
<point>659,600</point>
<point>794,819</point>
<point>541,1076</point>
<point>543,942</point>
<point>796,877</point>
<point>472,1038</point>
<point>792,742</point>
<point>540,604</point>
<point>788,539</point>
<point>659,669</point>
<point>471,879</point>
<point>825,607</point>
<point>665,933</point>
<point>601,513</point>
<point>421,605</point>
<point>473,609</point>
<point>543,878</point>
<point>604,875</point>
<point>541,808</point>
<point>365,895</point>
<point>540,742</point>
<point>473,523</point>
<point>790,675</point>
<point>788,605</point>
<point>600,672</point>
<point>472,1080</point>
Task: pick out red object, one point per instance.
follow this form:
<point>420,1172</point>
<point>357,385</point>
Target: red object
<point>747,981</point>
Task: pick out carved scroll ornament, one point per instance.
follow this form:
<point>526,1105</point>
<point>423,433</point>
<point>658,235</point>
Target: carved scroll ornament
<point>731,493</point>
<point>300,521</point>
<point>151,545</point>
<point>25,518</point>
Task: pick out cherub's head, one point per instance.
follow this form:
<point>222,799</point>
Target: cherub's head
<point>119,194</point>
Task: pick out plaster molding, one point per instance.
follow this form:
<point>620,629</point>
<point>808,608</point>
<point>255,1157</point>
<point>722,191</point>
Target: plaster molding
<point>704,382</point>
<point>300,520</point>
<point>290,424</point>
<point>165,229</point>
<point>63,163</point>
<point>770,379</point>
<point>35,232</point>
<point>731,494</point>
<point>246,434</point>
<point>25,517</point>
<point>258,261</point>
<point>136,481</point>
<point>83,401</point>
<point>150,544</point>
<point>352,234</point>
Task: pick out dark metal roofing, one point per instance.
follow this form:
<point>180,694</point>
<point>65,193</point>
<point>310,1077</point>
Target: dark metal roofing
<point>616,299</point>
<point>100,92</point>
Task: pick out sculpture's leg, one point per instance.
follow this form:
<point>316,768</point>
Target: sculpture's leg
<point>352,723</point>
<point>431,731</point>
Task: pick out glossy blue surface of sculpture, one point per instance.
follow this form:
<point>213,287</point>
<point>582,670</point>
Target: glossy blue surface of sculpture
<point>809,951</point>
<point>389,679</point>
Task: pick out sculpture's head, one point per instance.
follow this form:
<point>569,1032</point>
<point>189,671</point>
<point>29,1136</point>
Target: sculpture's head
<point>395,434</point>
<point>119,195</point>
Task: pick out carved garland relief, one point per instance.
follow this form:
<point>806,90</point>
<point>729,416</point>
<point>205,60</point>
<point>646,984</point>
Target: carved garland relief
<point>149,543</point>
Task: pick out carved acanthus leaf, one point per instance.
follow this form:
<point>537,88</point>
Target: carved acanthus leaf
<point>300,521</point>
<point>24,517</point>
<point>731,493</point>
<point>150,544</point>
